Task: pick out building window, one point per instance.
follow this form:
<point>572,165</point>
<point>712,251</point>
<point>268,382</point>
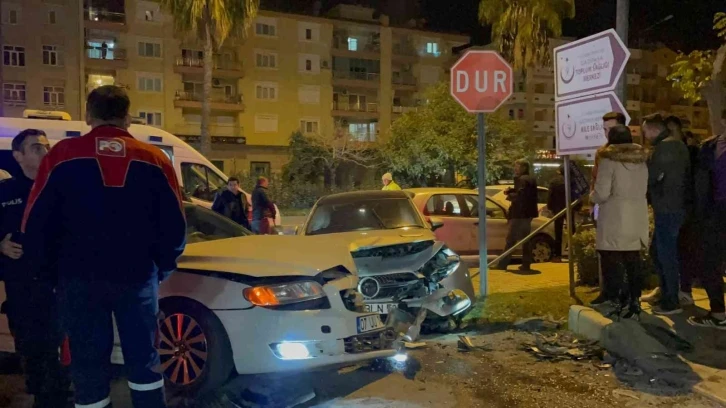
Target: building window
<point>151,118</point>
<point>266,60</point>
<point>11,16</point>
<point>150,50</point>
<point>520,114</point>
<point>51,55</point>
<point>309,126</point>
<point>267,30</point>
<point>511,114</point>
<point>309,34</point>
<point>258,169</point>
<point>13,56</point>
<point>352,44</point>
<point>266,92</point>
<point>432,48</point>
<point>14,92</point>
<point>54,96</point>
<point>52,17</point>
<point>308,65</point>
<point>149,83</point>
<point>149,15</point>
<point>266,123</point>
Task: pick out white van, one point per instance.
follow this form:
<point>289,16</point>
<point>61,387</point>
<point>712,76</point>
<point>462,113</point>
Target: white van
<point>199,178</point>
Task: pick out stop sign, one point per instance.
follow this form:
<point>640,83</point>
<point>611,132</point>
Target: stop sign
<point>481,81</point>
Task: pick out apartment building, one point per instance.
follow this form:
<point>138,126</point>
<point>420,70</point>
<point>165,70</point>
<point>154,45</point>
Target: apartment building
<point>648,92</point>
<point>348,70</point>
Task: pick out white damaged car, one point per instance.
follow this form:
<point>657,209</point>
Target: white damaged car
<point>247,304</point>
<point>399,261</point>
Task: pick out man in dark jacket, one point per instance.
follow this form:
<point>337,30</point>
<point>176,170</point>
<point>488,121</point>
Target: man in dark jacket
<point>556,202</point>
<point>710,212</point>
<point>31,303</point>
<point>523,209</point>
<point>668,175</point>
<point>232,203</point>
<point>106,209</point>
<point>263,209</point>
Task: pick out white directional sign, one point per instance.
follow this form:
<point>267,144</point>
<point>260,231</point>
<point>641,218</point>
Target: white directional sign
<point>590,65</point>
<point>579,122</point>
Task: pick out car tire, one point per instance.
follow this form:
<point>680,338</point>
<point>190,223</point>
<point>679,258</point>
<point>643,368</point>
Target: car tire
<point>542,249</point>
<point>200,341</point>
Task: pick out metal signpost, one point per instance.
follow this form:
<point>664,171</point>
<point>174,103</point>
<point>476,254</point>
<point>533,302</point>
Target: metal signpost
<point>586,73</point>
<point>481,81</point>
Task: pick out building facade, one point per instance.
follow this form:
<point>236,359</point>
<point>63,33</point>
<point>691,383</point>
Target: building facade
<point>350,71</point>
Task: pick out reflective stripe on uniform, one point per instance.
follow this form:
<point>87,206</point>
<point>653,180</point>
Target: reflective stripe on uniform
<point>100,404</point>
<point>146,387</point>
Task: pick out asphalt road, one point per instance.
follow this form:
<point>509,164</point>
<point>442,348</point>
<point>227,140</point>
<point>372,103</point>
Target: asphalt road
<point>495,374</point>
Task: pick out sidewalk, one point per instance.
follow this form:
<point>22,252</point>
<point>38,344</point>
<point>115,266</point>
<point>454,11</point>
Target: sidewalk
<point>544,275</point>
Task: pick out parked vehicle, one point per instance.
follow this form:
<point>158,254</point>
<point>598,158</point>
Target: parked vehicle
<point>458,208</point>
<point>497,192</point>
<point>238,304</point>
<point>399,260</point>
<point>199,178</point>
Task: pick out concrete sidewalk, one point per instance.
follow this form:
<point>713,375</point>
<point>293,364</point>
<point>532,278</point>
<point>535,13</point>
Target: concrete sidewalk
<point>544,275</point>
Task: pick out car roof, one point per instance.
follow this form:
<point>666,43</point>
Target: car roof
<point>366,195</point>
<point>440,190</point>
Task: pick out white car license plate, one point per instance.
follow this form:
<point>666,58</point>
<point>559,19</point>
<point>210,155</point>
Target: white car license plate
<point>369,323</point>
<point>382,308</point>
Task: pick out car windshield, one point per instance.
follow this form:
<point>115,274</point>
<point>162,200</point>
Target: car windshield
<point>364,215</point>
<point>206,225</point>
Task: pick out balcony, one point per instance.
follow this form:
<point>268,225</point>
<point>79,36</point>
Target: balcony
<point>221,134</point>
<point>404,82</point>
<point>544,98</point>
<point>355,110</point>
<point>350,78</point>
<point>193,100</point>
<point>106,58</point>
<point>223,68</point>
<point>405,51</point>
<point>358,46</point>
<point>543,126</point>
<point>403,109</point>
<point>101,19</point>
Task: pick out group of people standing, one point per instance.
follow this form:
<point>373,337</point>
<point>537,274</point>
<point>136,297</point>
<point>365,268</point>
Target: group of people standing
<point>232,203</point>
<point>686,189</point>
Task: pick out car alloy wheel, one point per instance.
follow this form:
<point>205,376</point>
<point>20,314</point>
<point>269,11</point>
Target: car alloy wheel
<point>182,349</point>
<point>541,251</point>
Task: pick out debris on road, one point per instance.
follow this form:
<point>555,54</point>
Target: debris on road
<point>626,393</point>
<point>537,324</point>
<point>560,347</point>
<point>413,346</point>
<point>465,344</point>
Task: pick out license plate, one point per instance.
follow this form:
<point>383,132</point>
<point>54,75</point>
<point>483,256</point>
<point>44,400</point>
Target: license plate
<point>382,308</point>
<point>369,323</point>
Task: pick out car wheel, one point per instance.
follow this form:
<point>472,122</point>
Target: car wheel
<point>542,249</point>
<point>194,349</point>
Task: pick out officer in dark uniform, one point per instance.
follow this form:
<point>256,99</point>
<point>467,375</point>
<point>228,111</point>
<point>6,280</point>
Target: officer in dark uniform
<point>31,302</point>
<point>106,210</point>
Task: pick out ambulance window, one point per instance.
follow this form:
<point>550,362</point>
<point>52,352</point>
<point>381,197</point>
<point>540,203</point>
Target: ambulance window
<point>168,151</point>
<point>200,181</point>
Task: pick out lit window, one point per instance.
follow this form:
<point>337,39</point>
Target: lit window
<point>352,44</point>
<point>432,48</point>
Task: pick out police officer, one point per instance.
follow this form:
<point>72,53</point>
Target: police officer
<point>106,208</point>
<point>31,305</point>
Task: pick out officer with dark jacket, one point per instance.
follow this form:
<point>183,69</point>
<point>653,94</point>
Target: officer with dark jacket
<point>556,202</point>
<point>232,204</point>
<point>523,209</point>
<point>263,209</point>
<point>31,305</point>
<point>106,209</point>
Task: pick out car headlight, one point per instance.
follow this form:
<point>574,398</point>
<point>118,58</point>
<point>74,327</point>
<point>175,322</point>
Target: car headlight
<point>443,264</point>
<point>284,293</point>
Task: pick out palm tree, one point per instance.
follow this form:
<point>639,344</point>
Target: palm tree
<point>522,28</point>
<point>211,22</point>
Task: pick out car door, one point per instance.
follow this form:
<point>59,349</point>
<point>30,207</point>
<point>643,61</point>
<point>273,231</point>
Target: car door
<point>455,232</point>
<point>496,224</point>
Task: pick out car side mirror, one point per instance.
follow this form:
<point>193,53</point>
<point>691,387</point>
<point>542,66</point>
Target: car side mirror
<point>436,223</point>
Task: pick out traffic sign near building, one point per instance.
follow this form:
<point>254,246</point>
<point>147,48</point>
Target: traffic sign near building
<point>481,81</point>
<point>579,122</point>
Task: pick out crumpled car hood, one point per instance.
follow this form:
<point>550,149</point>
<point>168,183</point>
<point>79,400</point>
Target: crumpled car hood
<point>268,255</point>
<point>391,251</point>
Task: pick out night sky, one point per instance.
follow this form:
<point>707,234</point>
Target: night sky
<point>691,28</point>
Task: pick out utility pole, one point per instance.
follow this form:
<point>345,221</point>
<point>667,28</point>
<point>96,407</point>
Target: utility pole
<point>621,27</point>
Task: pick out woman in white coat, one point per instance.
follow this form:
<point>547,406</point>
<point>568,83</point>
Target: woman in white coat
<point>622,227</point>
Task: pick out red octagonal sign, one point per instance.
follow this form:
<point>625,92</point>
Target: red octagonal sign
<point>481,81</point>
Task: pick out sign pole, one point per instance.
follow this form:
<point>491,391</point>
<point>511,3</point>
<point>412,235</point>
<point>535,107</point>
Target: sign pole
<point>481,182</point>
<point>569,221</point>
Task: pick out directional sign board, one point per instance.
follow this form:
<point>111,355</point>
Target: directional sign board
<point>579,122</point>
<point>590,65</point>
<point>481,81</point>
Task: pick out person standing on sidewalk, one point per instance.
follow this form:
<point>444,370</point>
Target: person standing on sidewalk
<point>620,190</point>
<point>710,204</point>
<point>556,202</point>
<point>263,209</point>
<point>232,203</point>
<point>523,209</point>
<point>668,174</point>
<point>388,183</point>
<point>106,212</point>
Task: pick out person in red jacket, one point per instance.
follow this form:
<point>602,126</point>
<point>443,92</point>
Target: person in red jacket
<point>105,214</point>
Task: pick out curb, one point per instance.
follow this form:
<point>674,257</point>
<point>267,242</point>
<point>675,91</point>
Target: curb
<point>637,348</point>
